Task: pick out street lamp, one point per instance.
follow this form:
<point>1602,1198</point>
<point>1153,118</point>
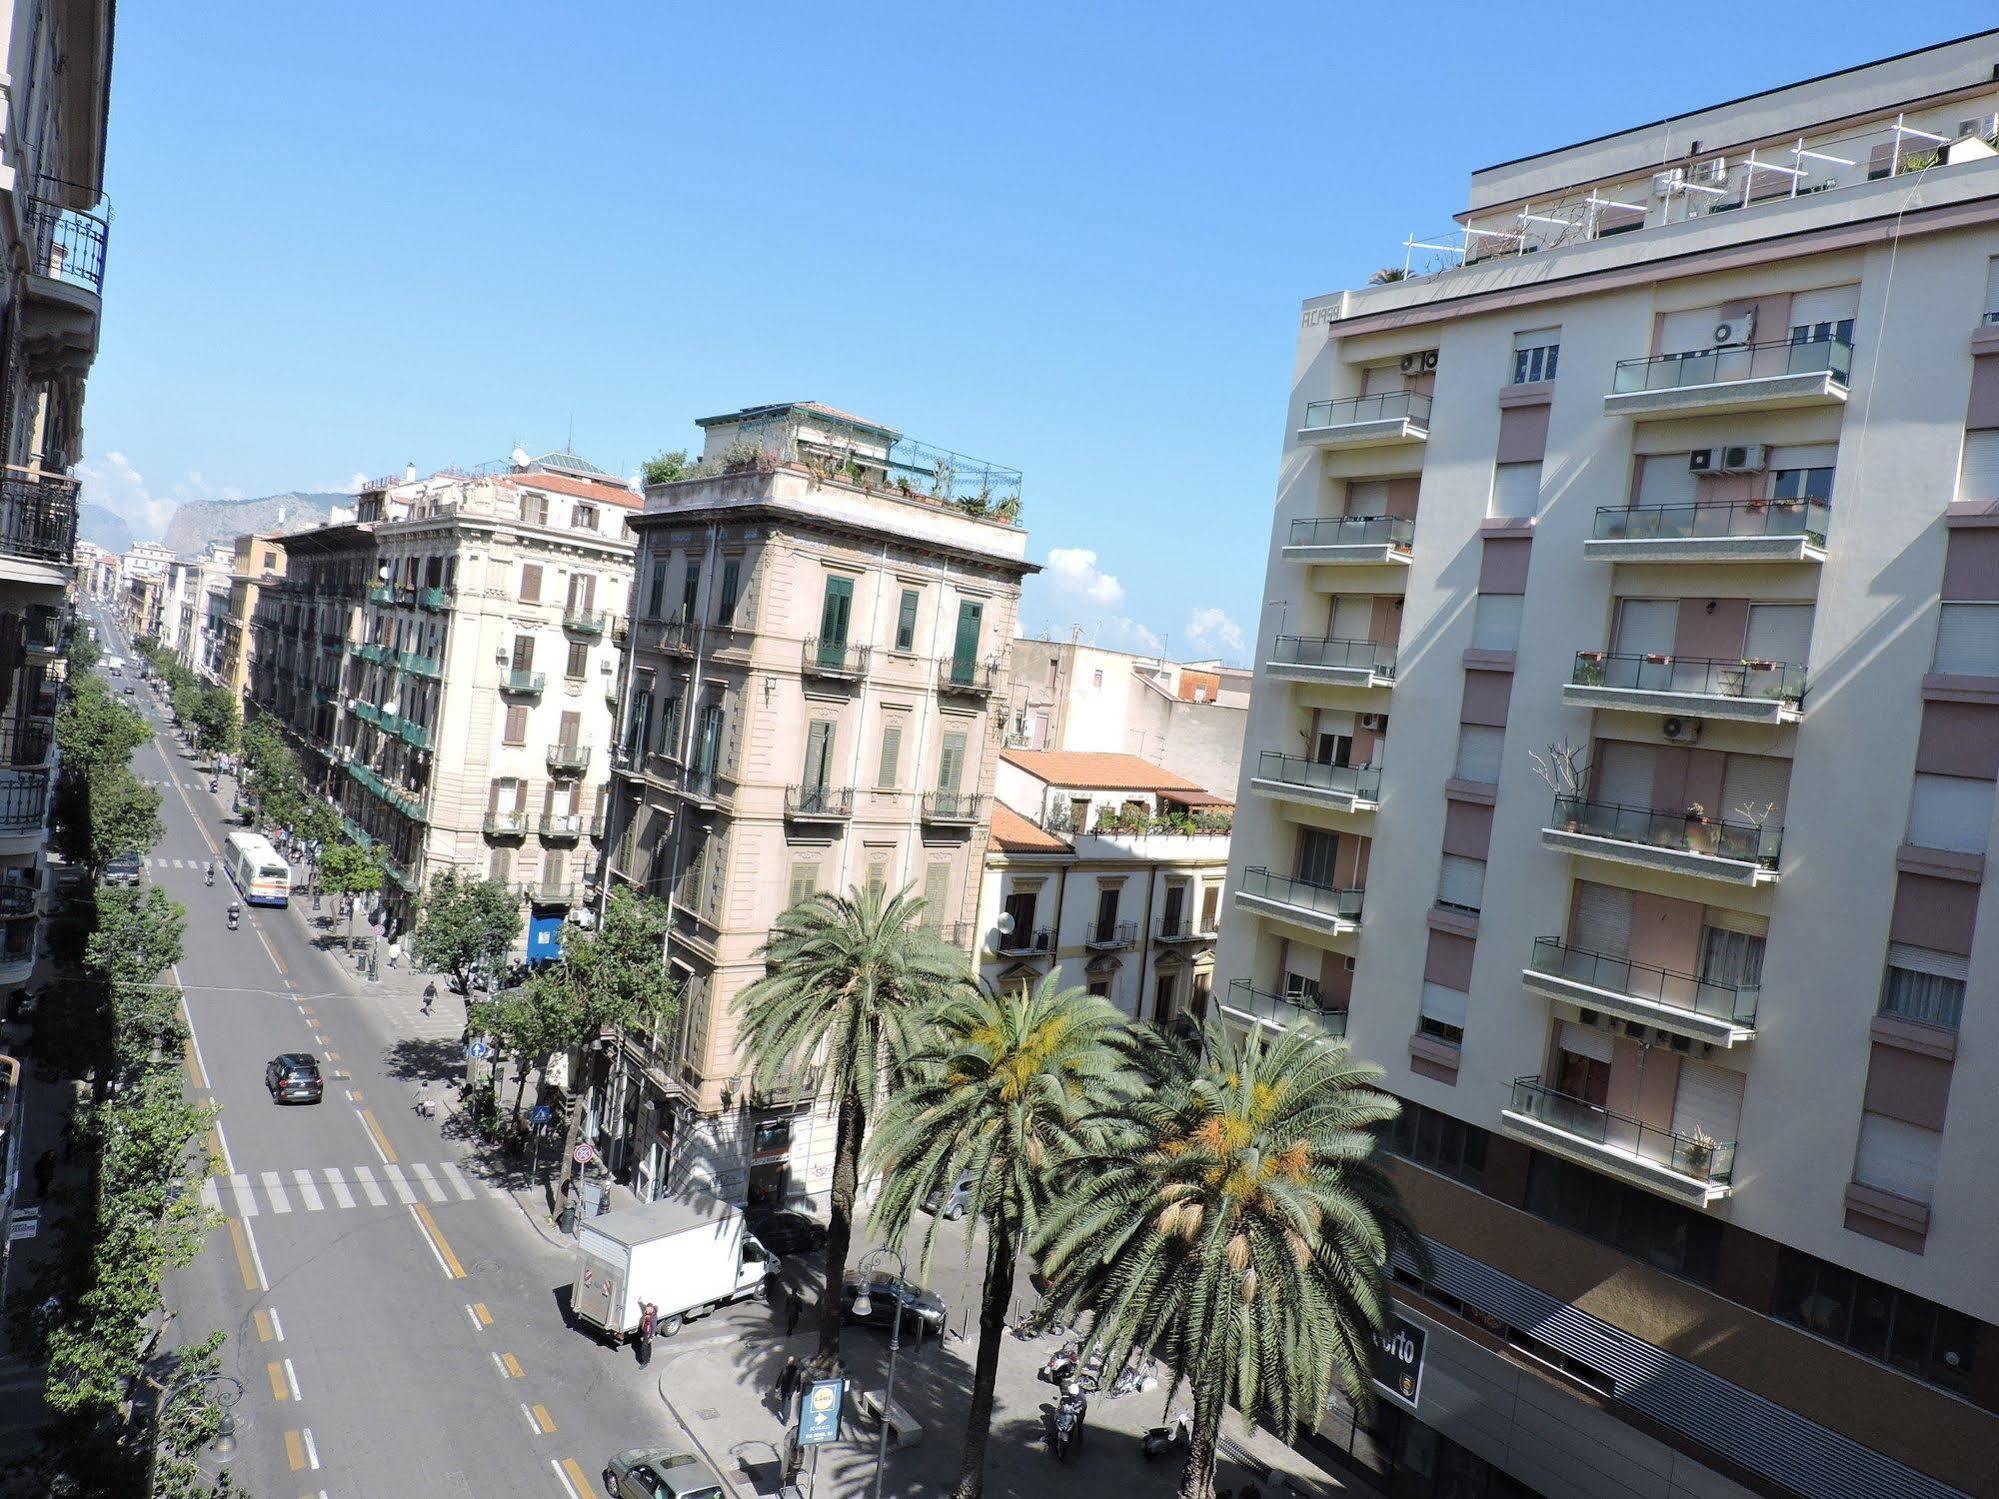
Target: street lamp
<point>863,1307</point>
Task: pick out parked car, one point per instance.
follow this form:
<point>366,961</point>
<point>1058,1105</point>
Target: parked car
<point>128,689</point>
<point>293,1077</point>
<point>951,1202</point>
<point>920,1308</point>
<point>782,1231</point>
<point>660,1473</point>
<point>123,869</point>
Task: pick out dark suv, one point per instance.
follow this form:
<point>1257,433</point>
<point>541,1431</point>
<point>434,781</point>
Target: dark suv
<point>294,1078</point>
<point>123,869</point>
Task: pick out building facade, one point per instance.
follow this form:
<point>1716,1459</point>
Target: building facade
<point>813,702</point>
<point>1655,571</point>
<point>257,563</point>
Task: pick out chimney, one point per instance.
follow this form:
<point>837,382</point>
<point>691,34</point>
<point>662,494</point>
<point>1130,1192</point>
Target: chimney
<point>409,473</point>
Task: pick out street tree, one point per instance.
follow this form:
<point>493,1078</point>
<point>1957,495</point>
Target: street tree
<point>139,936</point>
<point>123,817</point>
<point>530,1023</point>
<point>464,926</point>
<point>95,731</point>
<point>218,720</point>
<point>847,978</point>
<point>1007,1087</point>
<point>350,871</point>
<point>1240,1230</point>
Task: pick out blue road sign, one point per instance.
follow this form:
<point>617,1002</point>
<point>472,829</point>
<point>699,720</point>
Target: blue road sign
<point>477,1050</point>
<point>819,1412</point>
<point>541,1114</point>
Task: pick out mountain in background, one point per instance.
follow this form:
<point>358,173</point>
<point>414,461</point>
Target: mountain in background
<point>101,527</point>
<point>197,523</point>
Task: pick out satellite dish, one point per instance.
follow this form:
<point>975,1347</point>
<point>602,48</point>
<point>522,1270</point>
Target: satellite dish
<point>519,457</point>
<point>1005,923</point>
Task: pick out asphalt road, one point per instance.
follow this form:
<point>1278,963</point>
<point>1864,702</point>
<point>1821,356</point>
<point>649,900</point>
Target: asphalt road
<point>393,1320</point>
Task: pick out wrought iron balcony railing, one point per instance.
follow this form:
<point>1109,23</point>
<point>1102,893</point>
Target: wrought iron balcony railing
<point>967,678</point>
<point>38,517</point>
<point>819,801</point>
<point>835,658</point>
<point>1705,676</point>
<point>1024,942</point>
<point>24,801</point>
<point>952,806</point>
<point>66,244</point>
<point>1110,936</point>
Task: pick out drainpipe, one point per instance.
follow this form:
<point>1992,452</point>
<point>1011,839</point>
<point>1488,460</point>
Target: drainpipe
<point>1145,943</point>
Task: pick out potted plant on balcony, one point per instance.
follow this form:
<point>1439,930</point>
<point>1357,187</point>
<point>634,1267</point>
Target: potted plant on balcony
<point>1700,832</point>
<point>1589,669</point>
<point>1563,769</point>
<point>1697,1150</point>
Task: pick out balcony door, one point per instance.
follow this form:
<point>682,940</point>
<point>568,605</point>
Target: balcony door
<point>818,757</point>
<point>1583,1077</point>
<point>1175,914</point>
<point>1318,857</point>
<point>965,648</point>
<point>836,613</point>
<point>1107,903</point>
<point>1020,906</point>
<point>708,740</point>
<point>524,653</point>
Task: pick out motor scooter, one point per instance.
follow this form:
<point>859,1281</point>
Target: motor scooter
<point>235,915</point>
<point>1065,1425</point>
<point>1061,1365</point>
<point>1164,1441</point>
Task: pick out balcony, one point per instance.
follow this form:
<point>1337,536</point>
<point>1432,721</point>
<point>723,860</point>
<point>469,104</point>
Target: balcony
<point>590,622</point>
<point>673,637</point>
<point>1176,930</point>
<point>523,683</point>
<point>1281,1011</point>
<point>18,901</point>
<point>953,808</point>
<point>957,678</point>
<point>1760,692</point>
<point>1293,778</point>
<point>550,892</point>
<point>416,735</point>
<point>1110,936</point>
<point>384,593</point>
<point>24,802</point>
<point>1392,418</point>
<point>1747,377</point>
<point>701,786</point>
<point>1690,1168</point>
<point>38,518</point>
<point>1738,531</point>
<point>835,659</point>
<point>1351,540</point>
<point>368,713</point>
<point>1719,1014</point>
<point>1024,943</point>
<point>25,741</point>
<point>373,652</point>
<point>562,827</point>
<point>1322,908</point>
<point>1733,853</point>
<point>568,759</point>
<point>436,600</point>
<point>65,285</point>
<point>419,665</point>
<point>819,803</point>
<point>505,824</point>
<point>1336,663</point>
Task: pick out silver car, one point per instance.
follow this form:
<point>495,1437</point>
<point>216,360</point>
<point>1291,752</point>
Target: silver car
<point>660,1473</point>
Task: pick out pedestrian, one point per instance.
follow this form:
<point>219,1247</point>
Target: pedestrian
<point>793,1303</point>
<point>429,996</point>
<point>45,1171</point>
<point>396,951</point>
<point>648,1321</point>
<point>787,1386</point>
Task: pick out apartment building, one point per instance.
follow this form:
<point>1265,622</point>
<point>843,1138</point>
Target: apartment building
<point>58,68</point>
<point>198,602</point>
<point>1620,778</point>
<point>257,563</point>
<point>813,702</point>
<point>449,659</point>
<point>1107,871</point>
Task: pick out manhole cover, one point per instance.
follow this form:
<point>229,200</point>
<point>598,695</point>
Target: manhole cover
<point>706,1412</point>
<point>485,1267</point>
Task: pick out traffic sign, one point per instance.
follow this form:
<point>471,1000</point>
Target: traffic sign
<point>819,1412</point>
<point>541,1114</point>
<point>477,1051</point>
<point>584,1153</point>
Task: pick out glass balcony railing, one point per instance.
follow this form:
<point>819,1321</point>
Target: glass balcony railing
<point>1734,1003</point>
<point>1689,1155</point>
<point>1697,367</point>
<point>1353,531</point>
<point>1361,782</point>
<point>1284,1009</point>
<point>1354,655</point>
<point>1391,405</point>
<point>1748,842</point>
<point>1737,518</point>
<point>1779,681</point>
<point>1324,900</point>
<point>527,683</point>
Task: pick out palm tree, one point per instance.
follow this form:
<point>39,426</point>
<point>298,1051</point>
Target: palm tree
<point>1241,1232</point>
<point>1008,1086</point>
<point>846,977</point>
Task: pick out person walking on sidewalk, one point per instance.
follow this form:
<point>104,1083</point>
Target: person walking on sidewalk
<point>429,995</point>
<point>787,1387</point>
<point>45,1172</point>
<point>648,1323</point>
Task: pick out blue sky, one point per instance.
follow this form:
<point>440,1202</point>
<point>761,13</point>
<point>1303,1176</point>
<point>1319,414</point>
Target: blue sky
<point>1070,238</point>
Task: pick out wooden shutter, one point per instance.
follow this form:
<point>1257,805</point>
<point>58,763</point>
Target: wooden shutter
<point>732,577</point>
<point>836,611</point>
<point>936,892</point>
<point>804,882</point>
<point>516,731</point>
<point>570,731</point>
<point>965,650</point>
<point>891,754</point>
<point>818,749</point>
<point>530,582</point>
<point>905,623</point>
<point>951,761</point>
<point>524,653</point>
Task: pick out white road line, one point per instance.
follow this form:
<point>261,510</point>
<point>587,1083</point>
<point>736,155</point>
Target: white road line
<point>291,1378</point>
<point>311,1449</point>
<point>424,1234</point>
<point>337,1185</point>
<point>474,1317</point>
<point>377,1144</point>
<point>497,1364</point>
<point>307,1190</point>
<point>567,1487</point>
<point>458,1183</point>
<point>192,1039</point>
<point>277,1327</point>
<point>274,1188</point>
<point>220,1138</point>
<point>428,1183</point>
<point>366,1178</point>
<point>246,1203</point>
<point>534,1426</point>
<point>257,1259</point>
<point>211,1199</point>
<point>397,1185</point>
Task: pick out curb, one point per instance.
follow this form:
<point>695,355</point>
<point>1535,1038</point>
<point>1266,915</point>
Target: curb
<point>721,1470</point>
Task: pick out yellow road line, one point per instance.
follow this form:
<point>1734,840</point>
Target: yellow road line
<point>194,1077</point>
<point>514,1370</point>
<point>437,1239</point>
<point>544,1420</point>
<point>294,1450</point>
<point>243,1254</point>
<point>333,1056</point>
<point>575,1475</point>
<point>381,1140</point>
<point>485,1317</point>
<point>276,1371</point>
<point>264,1327</point>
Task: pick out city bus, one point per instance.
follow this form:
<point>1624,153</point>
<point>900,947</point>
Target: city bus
<point>264,878</point>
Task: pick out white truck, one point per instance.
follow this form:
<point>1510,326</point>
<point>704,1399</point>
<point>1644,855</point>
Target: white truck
<point>686,1255</point>
<point>115,665</point>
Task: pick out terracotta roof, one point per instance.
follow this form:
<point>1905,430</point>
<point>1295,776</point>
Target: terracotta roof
<point>1016,834</point>
<point>1202,799</point>
<point>1097,771</point>
<point>584,489</point>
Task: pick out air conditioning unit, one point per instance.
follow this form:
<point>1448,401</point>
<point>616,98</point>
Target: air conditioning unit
<point>1679,1043</point>
<point>1705,460</point>
<point>1374,722</point>
<point>1681,730</point>
<point>1423,363</point>
<point>1589,1016</point>
<point>1712,171</point>
<point>1347,963</point>
<point>1732,332</point>
<point>1745,458</point>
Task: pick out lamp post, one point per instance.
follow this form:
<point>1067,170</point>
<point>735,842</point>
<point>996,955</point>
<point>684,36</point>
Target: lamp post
<point>864,1307</point>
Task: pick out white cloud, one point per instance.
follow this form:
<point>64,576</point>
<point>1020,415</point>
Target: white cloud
<point>1123,633</point>
<point>1074,571</point>
<point>1214,632</point>
<point>355,484</point>
<point>120,488</point>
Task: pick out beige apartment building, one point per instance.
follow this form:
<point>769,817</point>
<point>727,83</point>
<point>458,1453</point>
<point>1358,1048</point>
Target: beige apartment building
<point>258,564</point>
<point>813,702</point>
<point>450,660</point>
<point>1686,458</point>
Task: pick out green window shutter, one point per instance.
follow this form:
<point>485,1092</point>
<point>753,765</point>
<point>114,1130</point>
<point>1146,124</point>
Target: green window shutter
<point>891,755</point>
<point>951,762</point>
<point>936,891</point>
<point>690,591</point>
<point>669,713</point>
<point>905,621</point>
<point>965,649</point>
<point>804,882</point>
<point>732,577</point>
<point>818,750</point>
<point>836,612</point>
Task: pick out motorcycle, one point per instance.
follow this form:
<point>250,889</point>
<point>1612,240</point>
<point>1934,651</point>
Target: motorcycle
<point>235,915</point>
<point>1165,1441</point>
<point>1061,1365</point>
<point>214,784</point>
<point>208,874</point>
<point>1065,1425</point>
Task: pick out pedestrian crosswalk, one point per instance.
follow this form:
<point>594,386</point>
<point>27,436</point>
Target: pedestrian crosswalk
<point>246,1194</point>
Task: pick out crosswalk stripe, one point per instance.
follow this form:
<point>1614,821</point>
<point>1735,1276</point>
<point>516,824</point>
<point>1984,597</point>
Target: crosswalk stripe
<point>246,1204</point>
<point>307,1190</point>
<point>274,1188</point>
<point>457,1179</point>
<point>211,1199</point>
<point>428,1183</point>
<point>400,1187</point>
<point>337,1185</point>
<point>365,1175</point>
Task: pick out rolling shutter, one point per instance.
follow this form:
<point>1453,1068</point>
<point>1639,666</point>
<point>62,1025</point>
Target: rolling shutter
<point>1447,1006</point>
<point>1367,497</point>
<point>1646,626</point>
<point>1603,919</point>
<point>1666,480</point>
<point>1968,640</point>
<point>1897,1157</point>
<point>1461,882</point>
<point>1478,753</point>
<point>1978,472</point>
<point>1353,615</point>
<point>1516,489</point>
<point>1686,332</point>
<point>1496,622</point>
<point>1622,775</point>
<point>1950,812</point>
<point>1780,632</point>
<point>1709,1101</point>
<point>1831,304</point>
<point>1755,781</point>
<point>1585,1041</point>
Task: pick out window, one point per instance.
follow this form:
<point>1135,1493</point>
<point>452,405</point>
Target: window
<point>1302,988</point>
<point>1478,753</point>
<point>640,730</point>
<point>1461,883</point>
<point>1801,483</point>
<point>1896,1156</point>
<point>579,660</point>
<point>1665,1235</point>
<point>936,895</point>
<point>656,588</point>
<point>1097,677</point>
<point>1516,489</point>
<point>725,604</point>
<point>534,509</point>
<point>818,754</point>
<point>516,728</point>
<point>1318,856</point>
<point>1535,355</point>
<point>1444,1012</point>
<point>1932,1342</point>
<point>500,864</point>
<point>905,621</point>
<point>669,726</point>
<point>523,658</point>
<point>804,882</point>
<point>1496,619</point>
<point>890,755</point>
<point>1437,1140</point>
<point>1992,290</point>
<point>1950,812</point>
<point>1823,331</point>
<point>877,881</point>
<point>836,611</point>
<point>583,517</point>
<point>1924,986</point>
<point>1978,466</point>
<point>1101,988</point>
<point>1107,904</point>
<point>708,739</point>
<point>530,582</point>
<point>1968,640</point>
<point>951,761</point>
<point>965,647</point>
<point>690,591</point>
<point>1020,906</point>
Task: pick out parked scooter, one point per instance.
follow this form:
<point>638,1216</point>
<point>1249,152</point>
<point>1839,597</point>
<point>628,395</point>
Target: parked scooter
<point>1061,1365</point>
<point>1168,1441</point>
<point>1065,1426</point>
